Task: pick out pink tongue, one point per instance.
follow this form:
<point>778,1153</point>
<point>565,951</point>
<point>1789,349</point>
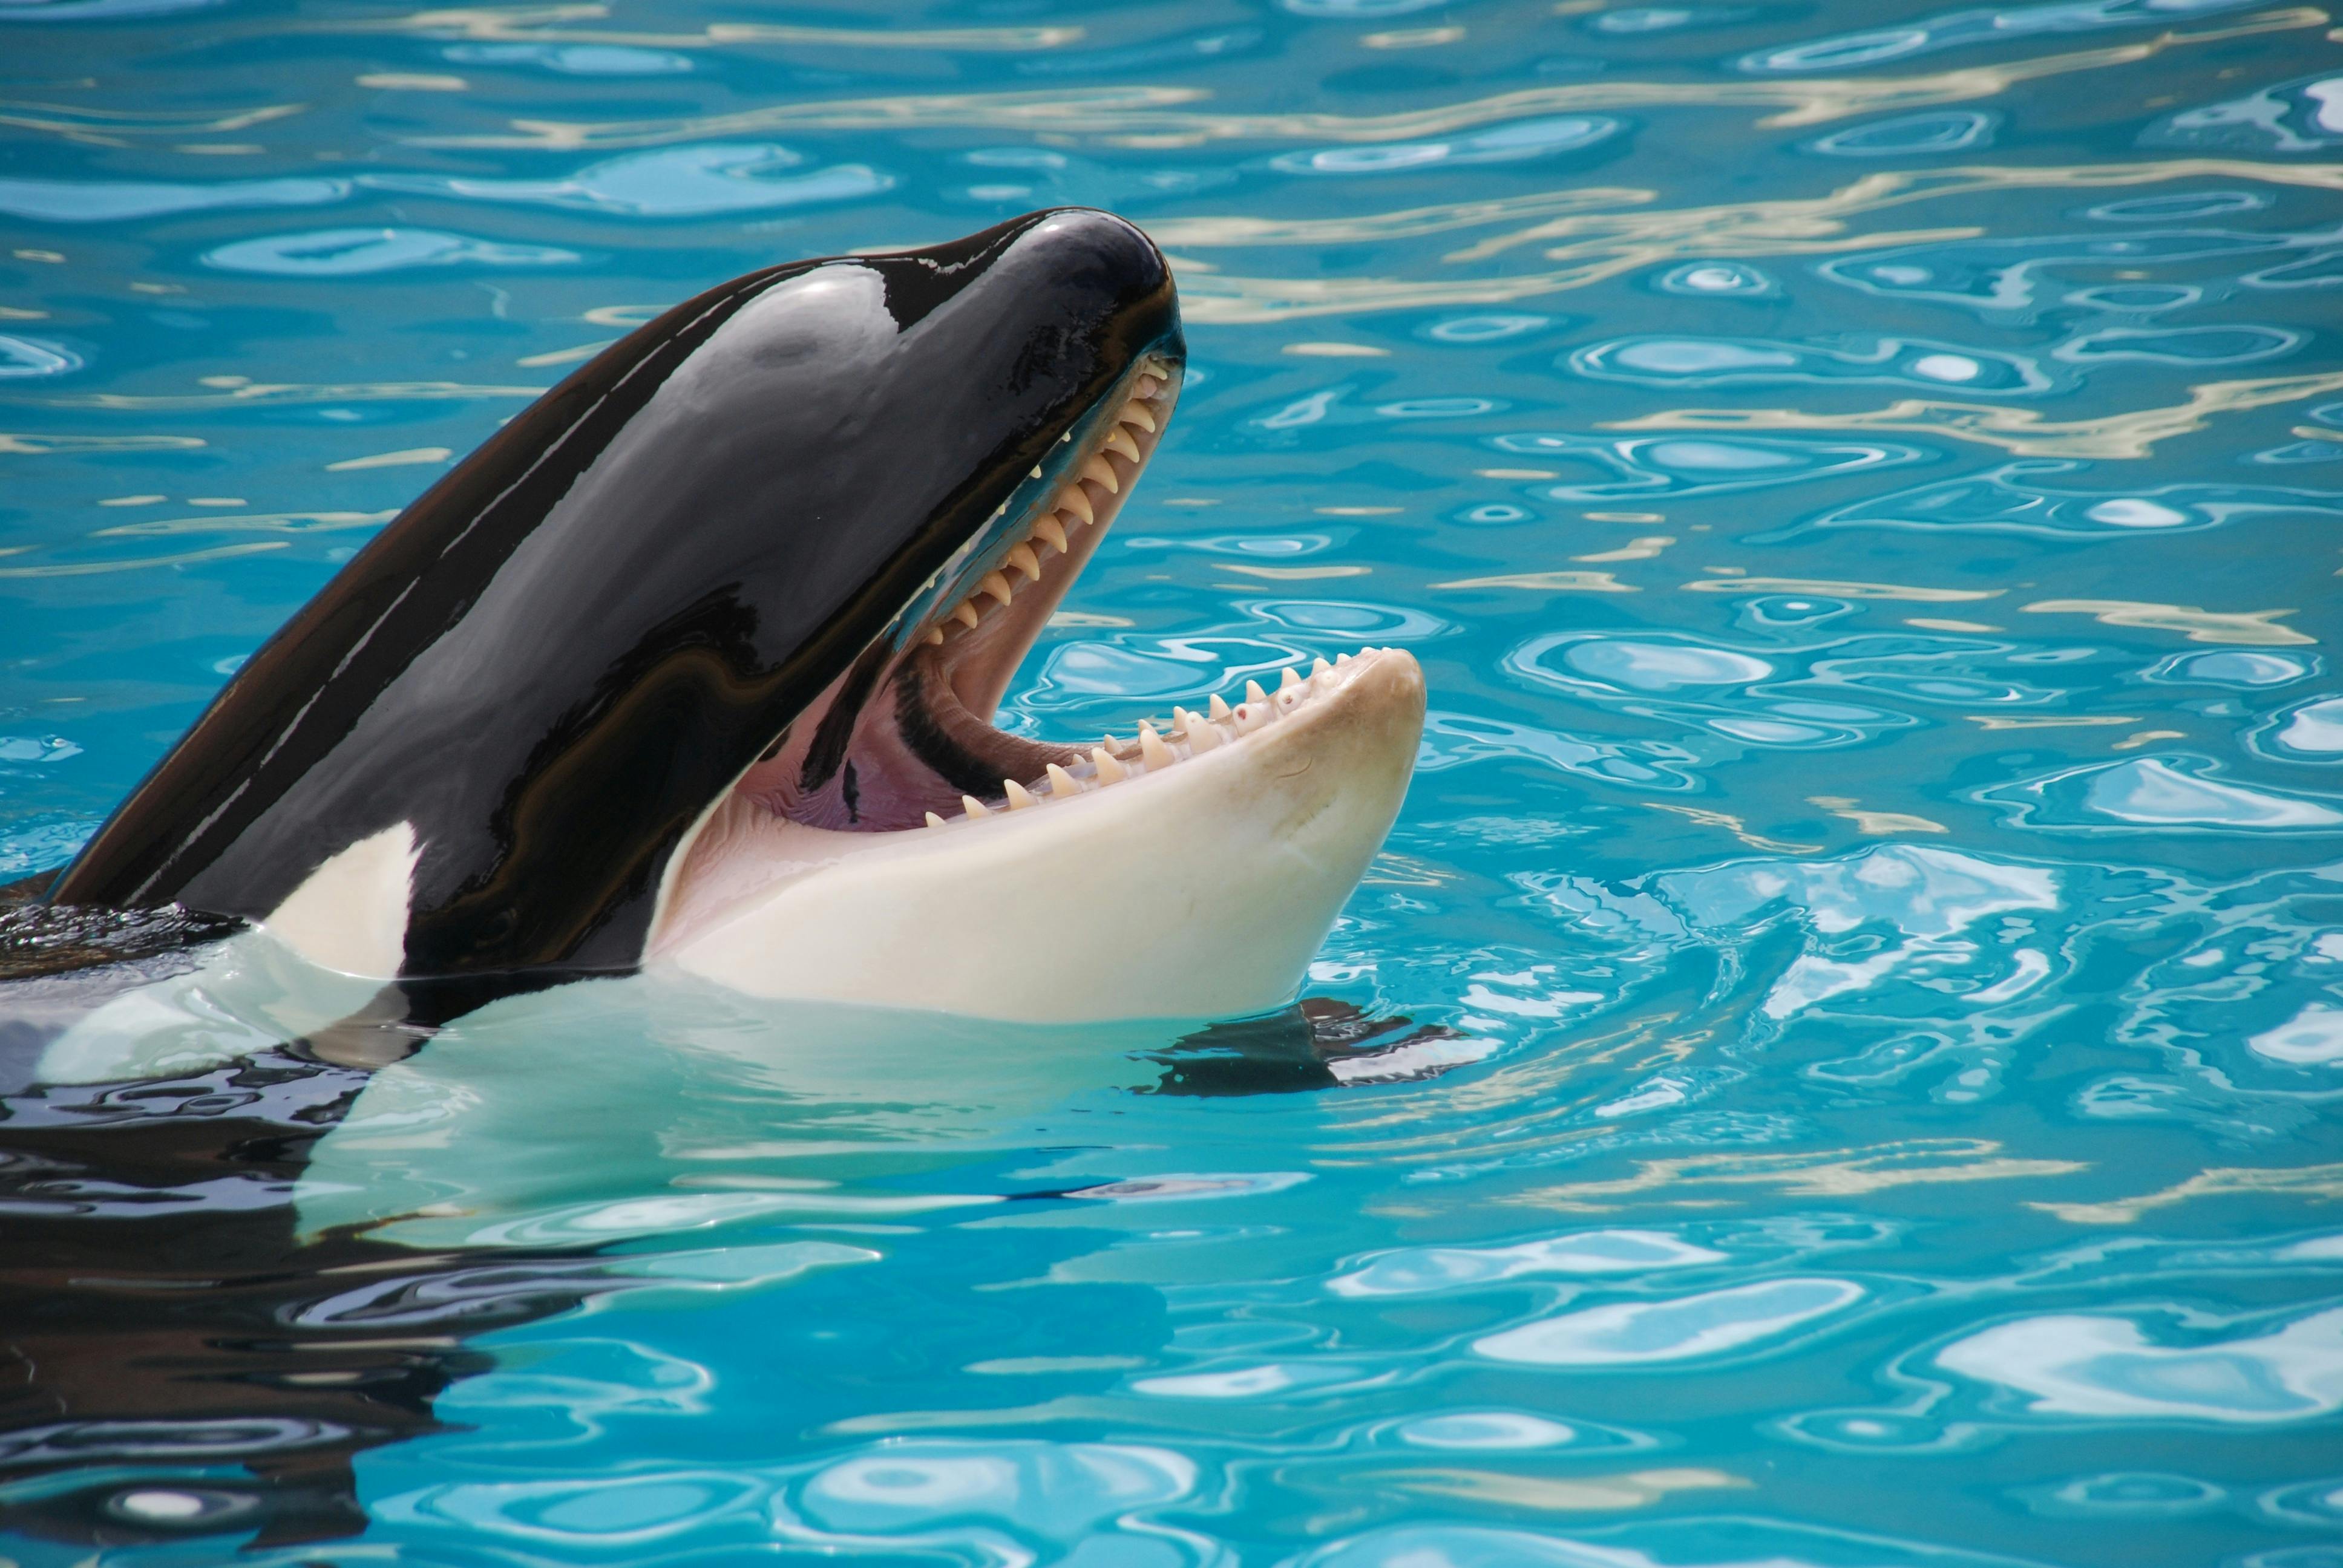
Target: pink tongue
<point>884,785</point>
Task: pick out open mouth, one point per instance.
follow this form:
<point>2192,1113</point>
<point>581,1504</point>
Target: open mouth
<point>904,743</point>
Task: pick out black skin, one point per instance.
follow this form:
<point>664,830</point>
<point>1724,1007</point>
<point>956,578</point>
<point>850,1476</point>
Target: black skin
<point>555,660</point>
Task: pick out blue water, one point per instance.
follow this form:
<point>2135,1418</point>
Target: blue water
<point>1865,484</point>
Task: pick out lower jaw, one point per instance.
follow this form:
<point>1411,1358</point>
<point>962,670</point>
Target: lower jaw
<point>1199,890</point>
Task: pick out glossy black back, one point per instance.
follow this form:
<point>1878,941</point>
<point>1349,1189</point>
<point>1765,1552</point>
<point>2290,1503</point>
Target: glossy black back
<point>556,658</point>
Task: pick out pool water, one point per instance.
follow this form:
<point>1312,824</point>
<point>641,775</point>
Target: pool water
<point>1865,484</point>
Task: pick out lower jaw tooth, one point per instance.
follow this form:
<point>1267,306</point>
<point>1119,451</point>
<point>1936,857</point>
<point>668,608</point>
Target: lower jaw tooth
<point>1201,732</point>
<point>934,820</point>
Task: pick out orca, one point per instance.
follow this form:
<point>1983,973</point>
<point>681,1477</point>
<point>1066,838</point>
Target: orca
<point>692,666</point>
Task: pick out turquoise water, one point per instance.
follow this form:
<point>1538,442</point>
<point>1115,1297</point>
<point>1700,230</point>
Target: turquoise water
<point>1862,481</point>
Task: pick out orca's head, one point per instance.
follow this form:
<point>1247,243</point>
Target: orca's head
<point>694,664</point>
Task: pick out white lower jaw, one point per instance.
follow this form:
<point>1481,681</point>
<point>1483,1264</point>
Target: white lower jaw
<point>1203,890</point>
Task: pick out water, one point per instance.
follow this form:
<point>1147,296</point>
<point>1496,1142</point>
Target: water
<point>1861,480</point>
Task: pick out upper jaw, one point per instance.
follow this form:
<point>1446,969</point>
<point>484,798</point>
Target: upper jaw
<point>929,711</point>
<point>1044,540</point>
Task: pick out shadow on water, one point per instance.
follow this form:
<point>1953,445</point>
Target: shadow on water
<point>225,1284</point>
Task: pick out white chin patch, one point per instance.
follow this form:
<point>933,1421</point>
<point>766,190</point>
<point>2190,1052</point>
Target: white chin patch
<point>351,913</point>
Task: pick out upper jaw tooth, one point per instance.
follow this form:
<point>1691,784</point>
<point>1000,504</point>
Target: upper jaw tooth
<point>1118,440</point>
<point>1097,467</point>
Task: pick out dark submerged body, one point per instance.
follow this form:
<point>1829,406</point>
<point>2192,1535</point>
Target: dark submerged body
<point>564,652</point>
<point>163,1326</point>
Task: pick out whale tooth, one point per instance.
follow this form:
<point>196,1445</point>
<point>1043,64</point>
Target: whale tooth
<point>1099,470</point>
<point>1120,441</point>
<point>997,586</point>
<point>1054,533</point>
<point>1219,710</point>
<point>1037,474</point>
<point>1023,557</point>
<point>935,635</point>
<point>1319,667</point>
<point>1287,680</point>
<point>1254,694</point>
<point>1151,749</point>
<point>1341,659</point>
<point>975,809</point>
<point>965,613</point>
<point>934,820</point>
<point>1135,413</point>
<point>1077,501</point>
<point>1201,736</point>
<point>1061,783</point>
<point>1178,717</point>
<point>1147,386</point>
<point>1251,717</point>
<point>1109,771</point>
<point>1018,796</point>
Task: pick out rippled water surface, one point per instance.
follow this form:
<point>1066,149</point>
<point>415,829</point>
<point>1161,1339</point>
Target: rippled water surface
<point>1862,479</point>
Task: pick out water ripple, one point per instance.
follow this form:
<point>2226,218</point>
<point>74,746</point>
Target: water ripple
<point>356,252</point>
<point>696,181</point>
